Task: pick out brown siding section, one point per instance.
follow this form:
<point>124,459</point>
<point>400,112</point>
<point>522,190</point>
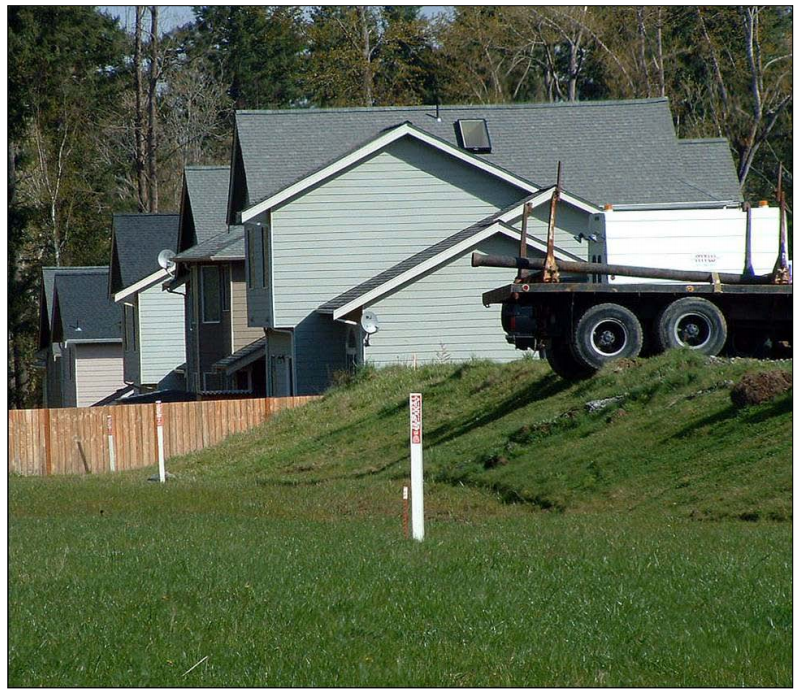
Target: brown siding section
<point>242,334</point>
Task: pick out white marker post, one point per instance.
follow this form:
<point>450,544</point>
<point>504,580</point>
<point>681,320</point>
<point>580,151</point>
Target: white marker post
<point>112,456</point>
<point>417,498</point>
<point>159,430</point>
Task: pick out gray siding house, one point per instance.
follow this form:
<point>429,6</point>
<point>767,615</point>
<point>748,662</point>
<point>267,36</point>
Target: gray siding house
<point>379,208</point>
<point>50,354</point>
<point>153,335</point>
<point>86,327</point>
<point>220,353</point>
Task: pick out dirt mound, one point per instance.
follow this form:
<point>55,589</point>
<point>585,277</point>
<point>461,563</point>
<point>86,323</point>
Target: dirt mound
<point>759,387</point>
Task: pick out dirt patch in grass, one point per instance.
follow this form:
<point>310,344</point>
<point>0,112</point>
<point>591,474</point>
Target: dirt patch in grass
<point>759,387</point>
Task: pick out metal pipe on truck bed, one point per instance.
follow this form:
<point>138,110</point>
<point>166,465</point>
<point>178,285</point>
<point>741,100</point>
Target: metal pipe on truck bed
<point>530,263</point>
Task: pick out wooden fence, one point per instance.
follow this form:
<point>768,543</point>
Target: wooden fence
<point>59,441</point>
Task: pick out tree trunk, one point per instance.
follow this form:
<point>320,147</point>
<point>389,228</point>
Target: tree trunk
<point>152,115</point>
<point>572,87</point>
<point>367,56</point>
<point>659,47</point>
<point>138,127</point>
<point>642,50</point>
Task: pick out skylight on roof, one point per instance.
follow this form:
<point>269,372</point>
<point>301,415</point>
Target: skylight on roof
<point>473,135</point>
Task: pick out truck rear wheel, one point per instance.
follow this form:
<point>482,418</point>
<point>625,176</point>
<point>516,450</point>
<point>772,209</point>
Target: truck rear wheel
<point>605,333</point>
<point>693,323</point>
<point>563,362</point>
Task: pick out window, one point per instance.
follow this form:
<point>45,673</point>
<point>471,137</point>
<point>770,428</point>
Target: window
<point>249,253</point>
<point>473,135</point>
<point>243,380</point>
<point>130,327</point>
<point>211,294</point>
<point>265,256</point>
<point>226,289</point>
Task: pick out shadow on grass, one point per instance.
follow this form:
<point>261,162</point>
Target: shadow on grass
<point>746,416</point>
<point>537,391</point>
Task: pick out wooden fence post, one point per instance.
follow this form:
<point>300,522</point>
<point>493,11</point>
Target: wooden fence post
<point>48,450</point>
<point>111,450</point>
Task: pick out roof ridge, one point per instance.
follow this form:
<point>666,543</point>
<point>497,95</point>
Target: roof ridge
<point>214,167</point>
<point>702,140</point>
<point>76,269</point>
<point>139,214</point>
<point>457,106</point>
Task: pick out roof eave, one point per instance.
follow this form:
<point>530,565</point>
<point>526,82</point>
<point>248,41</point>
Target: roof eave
<point>371,147</point>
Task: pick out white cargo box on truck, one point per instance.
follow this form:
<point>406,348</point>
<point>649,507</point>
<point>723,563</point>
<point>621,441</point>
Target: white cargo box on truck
<point>684,239</point>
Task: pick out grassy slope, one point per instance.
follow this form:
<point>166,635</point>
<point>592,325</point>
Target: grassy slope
<point>674,443</point>
<point>279,554</point>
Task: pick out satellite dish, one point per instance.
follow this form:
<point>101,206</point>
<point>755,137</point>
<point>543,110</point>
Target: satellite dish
<point>369,322</point>
<point>166,260</point>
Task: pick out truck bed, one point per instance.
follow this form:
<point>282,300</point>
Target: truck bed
<point>516,290</point>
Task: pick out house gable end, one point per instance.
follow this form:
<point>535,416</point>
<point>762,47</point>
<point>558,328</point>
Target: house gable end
<point>237,192</point>
<point>371,216</point>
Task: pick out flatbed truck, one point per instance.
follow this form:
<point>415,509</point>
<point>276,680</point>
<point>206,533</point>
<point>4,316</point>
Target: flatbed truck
<point>590,319</point>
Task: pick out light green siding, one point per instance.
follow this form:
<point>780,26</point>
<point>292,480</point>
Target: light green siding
<point>569,222</point>
<point>440,317</point>
<point>368,218</point>
<point>319,351</point>
<point>162,335</point>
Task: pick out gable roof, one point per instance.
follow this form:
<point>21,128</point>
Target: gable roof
<point>47,295</point>
<point>136,241</point>
<point>206,190</point>
<point>612,151</point>
<point>82,310</point>
<point>435,255</point>
<point>709,164</point>
<point>226,246</point>
<point>375,144</point>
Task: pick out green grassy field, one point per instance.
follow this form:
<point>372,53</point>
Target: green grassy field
<point>646,544</point>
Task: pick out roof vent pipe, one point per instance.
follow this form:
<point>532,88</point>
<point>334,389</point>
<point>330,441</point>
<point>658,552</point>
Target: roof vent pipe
<point>608,207</point>
<point>763,202</point>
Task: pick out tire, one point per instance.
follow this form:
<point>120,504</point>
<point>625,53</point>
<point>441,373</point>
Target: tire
<point>605,333</point>
<point>693,323</point>
<point>563,362</point>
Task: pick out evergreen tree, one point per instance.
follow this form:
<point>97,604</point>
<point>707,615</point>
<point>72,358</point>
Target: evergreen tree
<point>255,50</point>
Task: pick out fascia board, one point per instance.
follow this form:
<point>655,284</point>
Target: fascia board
<point>538,244</point>
<point>143,284</point>
<point>417,270</point>
<point>372,147</point>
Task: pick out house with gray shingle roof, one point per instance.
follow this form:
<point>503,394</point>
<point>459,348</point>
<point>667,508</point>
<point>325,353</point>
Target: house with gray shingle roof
<point>211,269</point>
<point>378,209</point>
<point>79,337</point>
<point>154,340</point>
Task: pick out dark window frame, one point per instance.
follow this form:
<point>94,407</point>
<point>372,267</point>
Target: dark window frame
<point>204,293</point>
<point>479,149</point>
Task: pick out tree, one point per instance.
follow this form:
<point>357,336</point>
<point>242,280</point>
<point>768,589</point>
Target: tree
<point>368,55</point>
<point>63,69</point>
<point>256,51</point>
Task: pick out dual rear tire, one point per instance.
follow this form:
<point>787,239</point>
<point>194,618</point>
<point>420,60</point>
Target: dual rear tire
<point>603,333</point>
<point>609,331</point>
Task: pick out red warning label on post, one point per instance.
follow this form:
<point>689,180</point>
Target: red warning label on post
<point>159,417</point>
<point>416,418</point>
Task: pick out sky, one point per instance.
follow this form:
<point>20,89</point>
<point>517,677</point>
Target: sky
<point>171,16</point>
